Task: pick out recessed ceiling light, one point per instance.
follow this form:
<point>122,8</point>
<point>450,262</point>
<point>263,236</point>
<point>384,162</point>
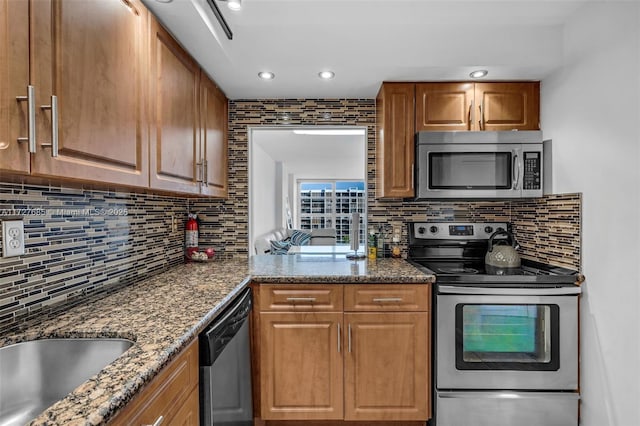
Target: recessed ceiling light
<point>478,73</point>
<point>234,4</point>
<point>326,75</point>
<point>266,75</point>
<point>164,1</point>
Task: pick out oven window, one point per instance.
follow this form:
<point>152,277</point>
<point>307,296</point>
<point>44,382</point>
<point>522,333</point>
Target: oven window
<point>470,170</point>
<point>507,337</point>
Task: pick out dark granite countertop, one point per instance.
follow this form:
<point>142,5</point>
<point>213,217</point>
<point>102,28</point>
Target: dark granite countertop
<point>164,313</point>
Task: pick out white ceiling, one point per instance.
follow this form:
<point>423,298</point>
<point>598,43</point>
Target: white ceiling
<point>366,42</point>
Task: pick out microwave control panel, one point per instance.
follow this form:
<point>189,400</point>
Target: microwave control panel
<point>532,170</point>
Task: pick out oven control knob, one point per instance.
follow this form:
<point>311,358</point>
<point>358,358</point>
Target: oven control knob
<point>421,230</point>
<point>500,228</point>
<point>433,229</point>
<point>488,229</point>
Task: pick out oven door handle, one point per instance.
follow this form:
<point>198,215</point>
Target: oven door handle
<point>501,291</point>
<point>509,395</point>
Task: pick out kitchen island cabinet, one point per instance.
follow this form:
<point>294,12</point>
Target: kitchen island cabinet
<point>351,352</point>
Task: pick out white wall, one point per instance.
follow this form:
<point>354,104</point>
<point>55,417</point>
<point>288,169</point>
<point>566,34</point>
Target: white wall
<point>590,108</point>
<point>263,192</point>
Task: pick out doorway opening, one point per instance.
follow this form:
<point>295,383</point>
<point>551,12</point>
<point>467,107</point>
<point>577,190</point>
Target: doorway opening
<point>290,166</point>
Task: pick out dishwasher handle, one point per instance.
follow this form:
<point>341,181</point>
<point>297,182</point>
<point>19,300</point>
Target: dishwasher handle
<point>222,330</point>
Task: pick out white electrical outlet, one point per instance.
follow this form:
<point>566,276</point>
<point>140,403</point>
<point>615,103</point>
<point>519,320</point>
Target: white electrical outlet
<point>12,238</point>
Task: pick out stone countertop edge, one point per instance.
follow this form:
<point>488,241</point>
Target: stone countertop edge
<point>162,314</point>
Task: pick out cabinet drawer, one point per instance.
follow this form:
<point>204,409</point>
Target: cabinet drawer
<point>166,393</point>
<point>300,297</point>
<point>387,297</point>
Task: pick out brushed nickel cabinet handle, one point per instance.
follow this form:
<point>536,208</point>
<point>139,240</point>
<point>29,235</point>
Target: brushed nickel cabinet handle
<point>349,337</point>
<point>339,337</point>
<point>205,173</point>
<point>199,171</point>
<point>301,299</point>
<point>481,120</point>
<point>31,118</point>
<point>54,126</point>
<point>158,421</point>
<point>387,299</point>
<point>469,119</point>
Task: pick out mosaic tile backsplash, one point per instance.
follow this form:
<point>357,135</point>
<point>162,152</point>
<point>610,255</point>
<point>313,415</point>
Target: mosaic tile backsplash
<point>81,243</point>
<point>553,222</point>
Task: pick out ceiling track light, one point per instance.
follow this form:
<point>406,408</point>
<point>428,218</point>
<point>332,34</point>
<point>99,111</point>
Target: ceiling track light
<point>220,18</point>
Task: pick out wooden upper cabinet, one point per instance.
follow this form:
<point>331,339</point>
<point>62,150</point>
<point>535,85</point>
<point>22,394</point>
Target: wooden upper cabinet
<point>213,116</point>
<point>508,106</point>
<point>395,134</point>
<point>175,127</point>
<point>14,79</point>
<point>444,106</point>
<point>91,56</point>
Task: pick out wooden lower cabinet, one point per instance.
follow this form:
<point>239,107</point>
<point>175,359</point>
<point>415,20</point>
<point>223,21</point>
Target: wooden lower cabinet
<point>347,365</point>
<point>386,366</point>
<point>302,366</point>
<point>173,395</point>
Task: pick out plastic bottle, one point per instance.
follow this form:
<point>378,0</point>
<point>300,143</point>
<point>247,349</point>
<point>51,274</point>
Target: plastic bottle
<point>372,245</point>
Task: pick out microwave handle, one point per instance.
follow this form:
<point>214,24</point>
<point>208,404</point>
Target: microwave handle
<point>516,170</point>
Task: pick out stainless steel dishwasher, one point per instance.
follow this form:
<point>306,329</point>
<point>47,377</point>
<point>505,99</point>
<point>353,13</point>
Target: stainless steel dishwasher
<point>225,367</point>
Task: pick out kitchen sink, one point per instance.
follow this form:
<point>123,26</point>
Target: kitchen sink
<point>37,373</point>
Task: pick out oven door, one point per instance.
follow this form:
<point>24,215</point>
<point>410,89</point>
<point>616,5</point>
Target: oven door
<point>515,339</point>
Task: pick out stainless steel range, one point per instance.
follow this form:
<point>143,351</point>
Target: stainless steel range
<point>505,346</point>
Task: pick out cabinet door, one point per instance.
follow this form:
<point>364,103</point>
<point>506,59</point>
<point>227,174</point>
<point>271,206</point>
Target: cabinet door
<point>213,114</point>
<point>444,106</point>
<point>508,106</point>
<point>387,366</point>
<point>14,79</point>
<point>92,57</point>
<point>172,395</point>
<point>301,366</point>
<point>395,135</point>
<point>175,128</point>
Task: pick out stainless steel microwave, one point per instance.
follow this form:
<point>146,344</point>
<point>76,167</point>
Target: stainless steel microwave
<point>474,165</point>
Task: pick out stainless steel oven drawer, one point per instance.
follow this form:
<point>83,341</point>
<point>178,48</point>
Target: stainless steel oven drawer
<point>496,408</point>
